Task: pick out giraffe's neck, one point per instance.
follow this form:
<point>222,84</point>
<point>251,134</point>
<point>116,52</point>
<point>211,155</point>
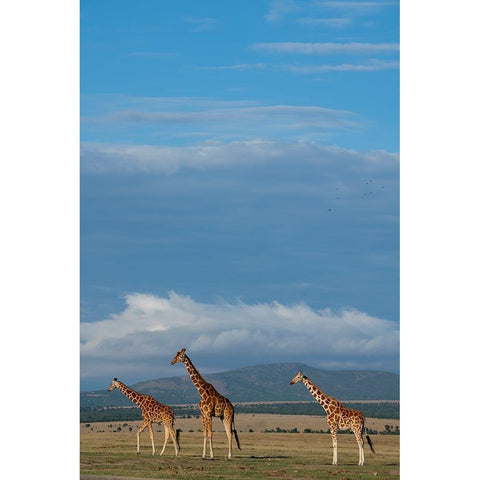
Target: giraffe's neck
<point>131,394</point>
<point>322,398</point>
<point>197,379</point>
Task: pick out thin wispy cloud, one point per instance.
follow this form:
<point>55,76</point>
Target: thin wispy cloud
<point>326,48</point>
<point>233,122</point>
<point>152,120</point>
<point>280,10</point>
<point>357,6</point>
<point>200,24</point>
<point>153,54</point>
<point>153,327</point>
<point>240,66</point>
<point>115,102</point>
<point>318,115</point>
<point>325,22</point>
<point>370,66</point>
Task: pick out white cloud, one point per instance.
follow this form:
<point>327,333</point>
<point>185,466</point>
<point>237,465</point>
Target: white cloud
<point>152,329</point>
<point>326,48</point>
<point>103,157</point>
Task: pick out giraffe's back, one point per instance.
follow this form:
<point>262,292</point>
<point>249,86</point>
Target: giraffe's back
<point>155,411</point>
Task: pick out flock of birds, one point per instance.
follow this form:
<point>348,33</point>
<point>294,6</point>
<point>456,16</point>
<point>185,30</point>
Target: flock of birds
<point>368,193</point>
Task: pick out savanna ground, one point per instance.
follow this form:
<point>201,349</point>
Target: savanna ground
<point>108,449</point>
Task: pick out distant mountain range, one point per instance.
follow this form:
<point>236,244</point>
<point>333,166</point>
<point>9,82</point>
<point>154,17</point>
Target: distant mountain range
<point>263,383</point>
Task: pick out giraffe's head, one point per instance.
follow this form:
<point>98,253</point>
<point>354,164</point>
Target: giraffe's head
<point>297,378</point>
<point>113,385</point>
<point>179,357</point>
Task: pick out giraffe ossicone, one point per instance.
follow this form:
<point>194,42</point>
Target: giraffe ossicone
<point>339,417</point>
<point>152,411</point>
<point>212,404</point>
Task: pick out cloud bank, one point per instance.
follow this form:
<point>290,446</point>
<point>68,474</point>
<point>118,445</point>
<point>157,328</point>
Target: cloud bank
<point>104,158</point>
<point>140,341</point>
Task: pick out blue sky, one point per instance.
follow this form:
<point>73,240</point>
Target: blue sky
<point>239,185</point>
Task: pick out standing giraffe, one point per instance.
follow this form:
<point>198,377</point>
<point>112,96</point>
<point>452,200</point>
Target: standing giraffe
<point>152,411</point>
<point>338,417</point>
<point>212,404</point>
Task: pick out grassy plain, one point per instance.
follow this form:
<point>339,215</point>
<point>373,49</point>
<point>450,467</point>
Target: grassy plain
<point>109,449</point>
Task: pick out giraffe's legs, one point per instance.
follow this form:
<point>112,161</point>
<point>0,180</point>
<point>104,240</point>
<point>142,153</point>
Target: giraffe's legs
<point>167,434</point>
<point>227,423</point>
<point>204,436</point>
<point>139,431</point>
<point>170,432</point>
<point>333,433</point>
<point>150,430</point>
<point>174,437</point>
<point>359,437</point>
<point>207,432</point>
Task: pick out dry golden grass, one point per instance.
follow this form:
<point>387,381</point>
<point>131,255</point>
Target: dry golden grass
<point>107,452</point>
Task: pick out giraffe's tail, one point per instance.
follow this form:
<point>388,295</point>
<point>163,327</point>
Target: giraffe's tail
<point>236,435</point>
<point>177,437</point>
<point>370,444</point>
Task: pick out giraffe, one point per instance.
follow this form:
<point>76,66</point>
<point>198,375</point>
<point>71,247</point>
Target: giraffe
<point>212,404</point>
<point>152,411</point>
<point>338,417</point>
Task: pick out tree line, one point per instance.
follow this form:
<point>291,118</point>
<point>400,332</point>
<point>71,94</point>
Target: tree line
<point>115,414</point>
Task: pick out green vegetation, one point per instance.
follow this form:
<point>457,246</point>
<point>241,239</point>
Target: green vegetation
<point>92,414</point>
<point>389,430</point>
<point>372,410</point>
<point>389,410</point>
<point>282,430</point>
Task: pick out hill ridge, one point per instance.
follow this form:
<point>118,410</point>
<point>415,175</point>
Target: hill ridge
<point>260,383</point>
